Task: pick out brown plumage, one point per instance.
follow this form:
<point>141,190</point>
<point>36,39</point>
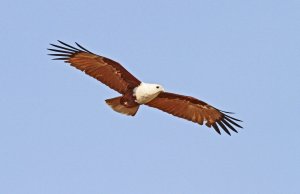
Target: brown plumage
<point>101,68</point>
<point>194,110</point>
<point>118,78</point>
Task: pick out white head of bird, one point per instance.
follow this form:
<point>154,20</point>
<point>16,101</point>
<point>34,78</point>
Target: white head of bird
<point>146,92</point>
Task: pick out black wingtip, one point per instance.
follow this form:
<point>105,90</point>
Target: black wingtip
<point>233,118</point>
<point>60,51</point>
<point>215,126</point>
<point>66,48</point>
<point>228,125</point>
<point>59,55</point>
<point>64,51</point>
<point>82,47</point>
<point>226,112</point>
<point>67,45</point>
<point>61,58</point>
<point>223,127</point>
<point>232,122</point>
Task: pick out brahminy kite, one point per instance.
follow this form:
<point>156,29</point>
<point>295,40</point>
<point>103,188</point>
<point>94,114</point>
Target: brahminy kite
<point>135,93</point>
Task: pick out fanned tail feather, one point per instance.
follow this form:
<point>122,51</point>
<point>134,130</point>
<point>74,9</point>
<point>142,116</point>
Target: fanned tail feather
<point>115,104</point>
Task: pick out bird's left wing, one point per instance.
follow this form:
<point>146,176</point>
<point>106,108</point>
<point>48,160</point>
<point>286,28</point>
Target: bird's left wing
<point>194,110</point>
<point>101,68</point>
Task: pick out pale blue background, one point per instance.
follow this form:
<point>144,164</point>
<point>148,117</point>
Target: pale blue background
<point>58,136</point>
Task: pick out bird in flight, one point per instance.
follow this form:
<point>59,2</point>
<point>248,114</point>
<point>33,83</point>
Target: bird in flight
<point>135,93</point>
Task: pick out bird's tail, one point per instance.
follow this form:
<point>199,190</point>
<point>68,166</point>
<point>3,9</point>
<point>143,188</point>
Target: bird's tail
<point>115,104</point>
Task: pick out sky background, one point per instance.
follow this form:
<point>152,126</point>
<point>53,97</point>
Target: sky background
<point>58,136</point>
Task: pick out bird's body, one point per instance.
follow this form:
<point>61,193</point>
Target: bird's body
<point>134,97</point>
<point>135,93</point>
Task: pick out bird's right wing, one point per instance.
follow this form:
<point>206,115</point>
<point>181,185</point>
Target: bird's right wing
<point>194,110</point>
<point>101,68</point>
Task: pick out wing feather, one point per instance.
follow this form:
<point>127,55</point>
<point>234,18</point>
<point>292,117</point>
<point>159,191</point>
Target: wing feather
<point>101,68</point>
<point>194,110</point>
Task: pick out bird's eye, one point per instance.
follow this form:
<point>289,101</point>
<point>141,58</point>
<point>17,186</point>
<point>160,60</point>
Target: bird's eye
<point>157,87</point>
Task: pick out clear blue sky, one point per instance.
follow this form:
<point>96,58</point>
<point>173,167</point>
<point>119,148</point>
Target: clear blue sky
<point>58,136</point>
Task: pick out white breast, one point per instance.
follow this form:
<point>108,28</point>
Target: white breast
<point>146,92</point>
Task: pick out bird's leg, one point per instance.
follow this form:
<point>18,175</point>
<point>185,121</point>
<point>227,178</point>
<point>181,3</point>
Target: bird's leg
<point>128,99</point>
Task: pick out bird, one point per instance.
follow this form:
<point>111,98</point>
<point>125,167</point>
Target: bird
<point>135,93</point>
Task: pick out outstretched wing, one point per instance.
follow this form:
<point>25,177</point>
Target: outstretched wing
<point>194,110</point>
<point>101,68</point>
